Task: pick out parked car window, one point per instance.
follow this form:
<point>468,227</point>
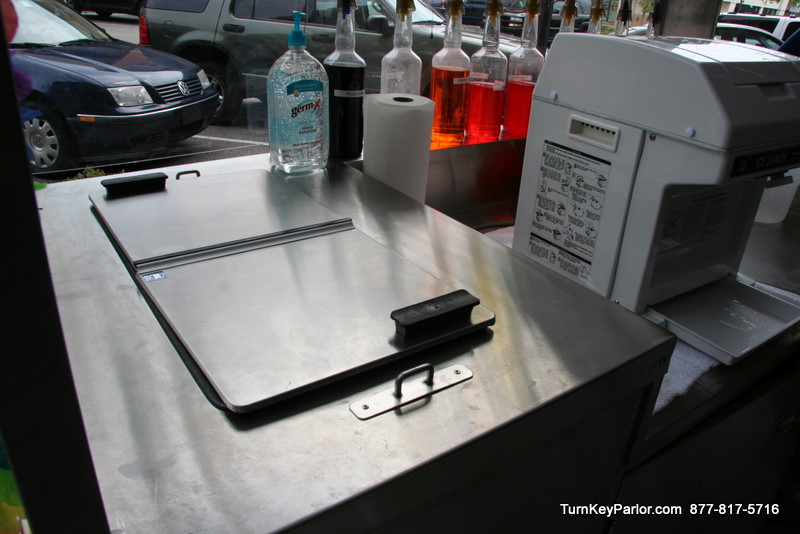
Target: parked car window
<point>758,40</point>
<point>747,35</point>
<point>325,12</point>
<point>320,12</point>
<point>272,9</point>
<point>242,9</point>
<point>37,25</point>
<point>766,24</point>
<point>790,29</point>
<point>580,7</point>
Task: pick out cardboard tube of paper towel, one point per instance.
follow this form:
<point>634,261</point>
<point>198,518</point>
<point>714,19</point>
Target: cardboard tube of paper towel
<point>397,141</point>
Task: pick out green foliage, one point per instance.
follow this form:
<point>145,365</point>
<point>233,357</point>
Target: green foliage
<point>647,5</point>
<point>88,172</point>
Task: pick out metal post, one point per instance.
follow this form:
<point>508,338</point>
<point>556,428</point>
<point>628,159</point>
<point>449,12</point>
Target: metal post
<point>40,420</point>
<point>689,18</point>
<point>545,14</point>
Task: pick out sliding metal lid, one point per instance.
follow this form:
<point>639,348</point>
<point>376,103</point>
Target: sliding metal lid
<point>196,212</point>
<point>267,294</point>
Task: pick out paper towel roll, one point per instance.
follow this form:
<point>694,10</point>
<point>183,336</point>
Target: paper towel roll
<point>397,141</point>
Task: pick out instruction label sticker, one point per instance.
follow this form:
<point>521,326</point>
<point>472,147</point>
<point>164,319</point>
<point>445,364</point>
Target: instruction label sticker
<point>569,204</point>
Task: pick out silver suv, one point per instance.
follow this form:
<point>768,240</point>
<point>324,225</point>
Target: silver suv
<point>780,27</point>
<point>236,41</point>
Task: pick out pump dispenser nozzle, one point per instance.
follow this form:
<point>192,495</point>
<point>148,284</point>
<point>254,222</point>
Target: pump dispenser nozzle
<point>296,36</point>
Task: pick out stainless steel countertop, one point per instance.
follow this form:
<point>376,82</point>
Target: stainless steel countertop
<point>167,461</point>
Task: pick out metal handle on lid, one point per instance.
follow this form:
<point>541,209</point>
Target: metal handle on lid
<point>394,398</point>
<point>187,173</point>
<point>398,382</point>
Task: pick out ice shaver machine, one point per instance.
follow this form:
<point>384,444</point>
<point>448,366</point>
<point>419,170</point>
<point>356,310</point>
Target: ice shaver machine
<point>644,167</point>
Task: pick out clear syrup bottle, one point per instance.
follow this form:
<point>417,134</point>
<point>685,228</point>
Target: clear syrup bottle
<point>449,79</point>
<point>596,17</point>
<point>524,66</point>
<point>346,71</point>
<point>297,106</point>
<point>487,83</point>
<point>401,67</point>
<point>654,22</point>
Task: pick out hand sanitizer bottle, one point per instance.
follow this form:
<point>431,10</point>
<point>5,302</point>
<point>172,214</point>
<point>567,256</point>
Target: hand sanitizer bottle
<point>297,107</point>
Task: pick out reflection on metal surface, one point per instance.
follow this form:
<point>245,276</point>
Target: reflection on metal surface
<point>477,184</point>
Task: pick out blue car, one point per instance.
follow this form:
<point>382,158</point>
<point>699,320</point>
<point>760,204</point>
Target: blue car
<point>90,98</point>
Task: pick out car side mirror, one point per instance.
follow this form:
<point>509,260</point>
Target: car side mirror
<point>380,24</point>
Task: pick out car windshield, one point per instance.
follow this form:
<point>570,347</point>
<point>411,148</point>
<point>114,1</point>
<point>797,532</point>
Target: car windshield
<point>50,23</point>
<point>579,6</point>
<point>423,13</point>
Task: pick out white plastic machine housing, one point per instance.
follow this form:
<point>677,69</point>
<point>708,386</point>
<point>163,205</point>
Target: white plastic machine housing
<point>644,167</point>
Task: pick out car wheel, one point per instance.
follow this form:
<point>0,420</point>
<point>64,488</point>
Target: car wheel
<point>227,83</point>
<point>104,13</point>
<point>47,139</point>
<point>72,4</point>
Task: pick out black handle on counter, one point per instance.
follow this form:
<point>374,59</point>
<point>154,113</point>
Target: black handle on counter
<point>134,185</point>
<point>454,307</point>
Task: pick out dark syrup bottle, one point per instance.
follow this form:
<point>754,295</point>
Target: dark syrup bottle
<point>346,71</point>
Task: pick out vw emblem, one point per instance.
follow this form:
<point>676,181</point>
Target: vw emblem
<point>183,88</point>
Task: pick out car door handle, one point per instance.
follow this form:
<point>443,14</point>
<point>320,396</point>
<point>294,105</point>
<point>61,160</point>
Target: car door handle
<point>235,28</point>
<point>323,38</point>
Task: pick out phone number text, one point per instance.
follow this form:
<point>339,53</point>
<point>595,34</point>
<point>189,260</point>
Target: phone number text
<point>734,509</point>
